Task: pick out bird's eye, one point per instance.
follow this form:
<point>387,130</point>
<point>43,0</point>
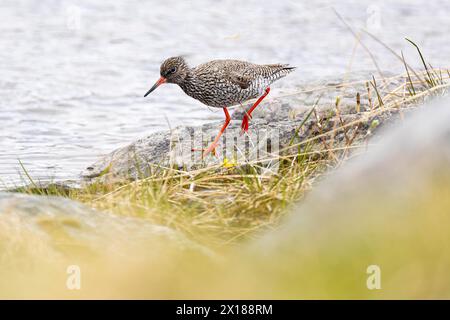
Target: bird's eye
<point>173,70</point>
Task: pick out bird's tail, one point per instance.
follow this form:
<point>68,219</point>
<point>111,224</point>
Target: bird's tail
<point>280,70</point>
<point>288,69</point>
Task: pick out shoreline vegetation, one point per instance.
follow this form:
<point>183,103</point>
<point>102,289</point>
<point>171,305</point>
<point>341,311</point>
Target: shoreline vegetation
<point>314,228</point>
<point>223,204</point>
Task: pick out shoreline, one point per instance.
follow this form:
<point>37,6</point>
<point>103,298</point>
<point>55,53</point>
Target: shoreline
<point>298,114</point>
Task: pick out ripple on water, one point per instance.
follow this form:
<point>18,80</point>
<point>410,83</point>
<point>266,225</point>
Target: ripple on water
<point>72,94</point>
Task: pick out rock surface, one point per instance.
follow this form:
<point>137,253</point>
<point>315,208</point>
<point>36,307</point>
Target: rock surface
<point>57,225</point>
<point>389,209</point>
<point>276,119</point>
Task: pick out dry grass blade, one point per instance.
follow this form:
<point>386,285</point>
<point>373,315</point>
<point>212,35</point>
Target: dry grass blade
<point>220,206</point>
<point>361,43</point>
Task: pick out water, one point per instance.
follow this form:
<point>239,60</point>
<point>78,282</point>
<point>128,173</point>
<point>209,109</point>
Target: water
<point>73,73</point>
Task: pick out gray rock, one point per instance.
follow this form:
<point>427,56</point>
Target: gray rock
<point>277,119</point>
<point>389,208</point>
<point>57,227</point>
<point>410,157</point>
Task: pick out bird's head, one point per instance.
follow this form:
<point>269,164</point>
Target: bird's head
<point>173,70</point>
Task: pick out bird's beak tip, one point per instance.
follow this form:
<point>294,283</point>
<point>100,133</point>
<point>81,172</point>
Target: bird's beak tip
<point>156,85</point>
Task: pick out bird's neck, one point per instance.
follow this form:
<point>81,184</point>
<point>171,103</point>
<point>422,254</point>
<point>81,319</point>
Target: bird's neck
<point>188,84</point>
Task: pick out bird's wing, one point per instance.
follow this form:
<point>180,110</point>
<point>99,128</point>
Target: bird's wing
<point>244,74</point>
<point>239,78</point>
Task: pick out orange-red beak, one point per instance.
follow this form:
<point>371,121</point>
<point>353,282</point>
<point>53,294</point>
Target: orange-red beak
<point>156,85</point>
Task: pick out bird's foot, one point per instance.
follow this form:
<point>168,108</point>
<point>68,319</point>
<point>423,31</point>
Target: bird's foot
<point>211,148</point>
<point>244,124</point>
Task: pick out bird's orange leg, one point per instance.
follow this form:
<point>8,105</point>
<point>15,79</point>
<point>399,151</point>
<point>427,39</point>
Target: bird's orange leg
<point>248,114</point>
<point>213,145</point>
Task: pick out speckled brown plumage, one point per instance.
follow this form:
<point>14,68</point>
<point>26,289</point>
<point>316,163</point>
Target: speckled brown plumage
<point>222,83</point>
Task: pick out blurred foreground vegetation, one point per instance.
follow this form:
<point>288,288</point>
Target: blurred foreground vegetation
<point>321,250</point>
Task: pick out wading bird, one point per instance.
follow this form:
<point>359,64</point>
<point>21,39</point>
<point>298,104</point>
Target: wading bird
<point>222,83</point>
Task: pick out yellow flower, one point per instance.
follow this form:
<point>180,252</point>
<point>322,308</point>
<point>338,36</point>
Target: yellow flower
<point>229,164</point>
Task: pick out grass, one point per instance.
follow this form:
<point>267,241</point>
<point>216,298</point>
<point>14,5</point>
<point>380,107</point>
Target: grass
<point>223,205</point>
<point>217,206</point>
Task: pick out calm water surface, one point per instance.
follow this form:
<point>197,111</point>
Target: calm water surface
<point>73,73</point>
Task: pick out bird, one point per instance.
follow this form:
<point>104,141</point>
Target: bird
<point>222,84</point>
